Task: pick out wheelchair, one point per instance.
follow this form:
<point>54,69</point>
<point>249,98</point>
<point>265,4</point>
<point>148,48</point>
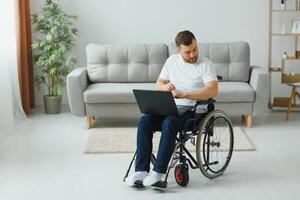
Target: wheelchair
<point>211,132</point>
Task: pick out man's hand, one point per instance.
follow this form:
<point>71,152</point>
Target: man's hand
<point>178,95</point>
<point>169,87</point>
<point>164,85</point>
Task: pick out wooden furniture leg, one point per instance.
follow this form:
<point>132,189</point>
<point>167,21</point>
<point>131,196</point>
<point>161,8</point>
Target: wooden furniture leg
<point>89,121</point>
<point>293,95</point>
<point>248,120</point>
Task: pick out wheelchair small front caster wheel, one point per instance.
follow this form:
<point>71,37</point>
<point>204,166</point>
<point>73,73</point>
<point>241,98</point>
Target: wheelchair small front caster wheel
<point>181,173</point>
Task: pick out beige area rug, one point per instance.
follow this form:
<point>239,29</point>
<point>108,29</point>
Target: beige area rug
<point>123,140</point>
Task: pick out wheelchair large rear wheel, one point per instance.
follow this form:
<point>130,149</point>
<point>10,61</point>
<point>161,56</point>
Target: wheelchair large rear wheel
<point>214,144</point>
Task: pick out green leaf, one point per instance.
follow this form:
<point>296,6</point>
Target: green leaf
<point>51,52</point>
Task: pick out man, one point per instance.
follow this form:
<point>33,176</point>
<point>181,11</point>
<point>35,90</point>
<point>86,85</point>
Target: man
<point>189,78</point>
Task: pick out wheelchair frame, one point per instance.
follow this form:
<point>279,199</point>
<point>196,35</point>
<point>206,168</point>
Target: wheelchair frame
<point>184,157</point>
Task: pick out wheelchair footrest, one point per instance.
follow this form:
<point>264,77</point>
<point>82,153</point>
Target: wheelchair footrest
<point>160,184</point>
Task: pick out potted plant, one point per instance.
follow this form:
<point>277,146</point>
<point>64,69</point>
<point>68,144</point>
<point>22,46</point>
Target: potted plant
<point>51,51</point>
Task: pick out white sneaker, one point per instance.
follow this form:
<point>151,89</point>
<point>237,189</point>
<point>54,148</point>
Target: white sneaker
<point>136,179</point>
<point>153,178</point>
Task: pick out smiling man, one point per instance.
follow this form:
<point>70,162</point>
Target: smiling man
<point>189,77</point>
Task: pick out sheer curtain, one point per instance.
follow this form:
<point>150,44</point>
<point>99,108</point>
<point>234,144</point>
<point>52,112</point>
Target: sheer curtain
<point>11,111</point>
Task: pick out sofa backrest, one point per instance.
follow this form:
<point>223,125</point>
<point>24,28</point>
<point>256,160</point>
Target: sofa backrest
<point>231,60</point>
<point>135,63</point>
<point>143,62</point>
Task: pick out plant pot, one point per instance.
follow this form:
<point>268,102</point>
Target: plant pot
<point>52,104</point>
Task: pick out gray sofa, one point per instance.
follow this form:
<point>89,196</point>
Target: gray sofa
<point>104,88</point>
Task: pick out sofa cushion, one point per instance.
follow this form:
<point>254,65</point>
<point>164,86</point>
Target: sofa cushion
<point>232,60</point>
<point>136,63</point>
<point>113,92</point>
<point>122,93</point>
<point>235,92</point>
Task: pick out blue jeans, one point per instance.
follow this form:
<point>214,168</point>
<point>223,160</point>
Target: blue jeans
<point>169,127</point>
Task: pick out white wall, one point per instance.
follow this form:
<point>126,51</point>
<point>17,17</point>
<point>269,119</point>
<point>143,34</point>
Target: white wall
<point>151,21</point>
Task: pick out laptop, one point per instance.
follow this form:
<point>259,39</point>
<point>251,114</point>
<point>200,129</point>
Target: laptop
<point>158,102</point>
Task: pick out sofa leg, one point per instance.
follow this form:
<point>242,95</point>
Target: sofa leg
<point>89,121</point>
<point>248,120</point>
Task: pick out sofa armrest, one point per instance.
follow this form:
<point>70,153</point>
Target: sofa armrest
<point>260,81</point>
<point>77,82</point>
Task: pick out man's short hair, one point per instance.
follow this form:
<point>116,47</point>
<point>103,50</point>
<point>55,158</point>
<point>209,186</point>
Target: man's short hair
<point>184,38</point>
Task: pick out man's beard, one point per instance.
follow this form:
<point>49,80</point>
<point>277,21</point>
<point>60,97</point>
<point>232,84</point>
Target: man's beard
<point>191,60</point>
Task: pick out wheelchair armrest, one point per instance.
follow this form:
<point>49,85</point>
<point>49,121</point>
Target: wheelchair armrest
<point>202,102</point>
<point>208,102</point>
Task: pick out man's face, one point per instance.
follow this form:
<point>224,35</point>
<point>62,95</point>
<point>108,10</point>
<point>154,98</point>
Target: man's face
<point>189,53</point>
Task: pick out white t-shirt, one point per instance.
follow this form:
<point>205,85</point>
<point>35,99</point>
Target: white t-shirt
<point>187,77</point>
